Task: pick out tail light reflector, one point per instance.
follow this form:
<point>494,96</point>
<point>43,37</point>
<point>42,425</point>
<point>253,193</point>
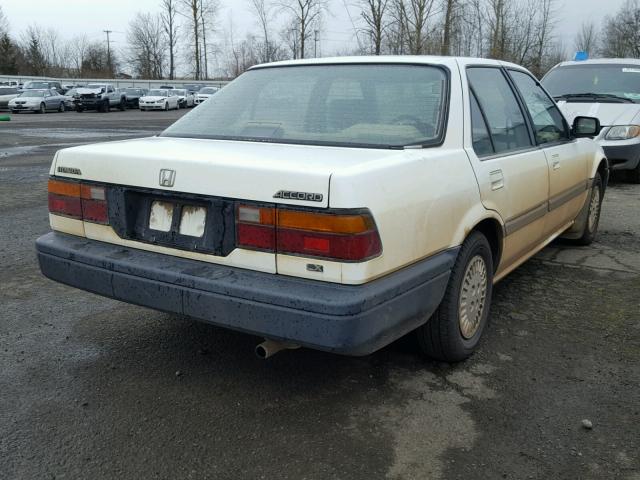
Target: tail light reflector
<point>339,235</point>
<point>77,200</point>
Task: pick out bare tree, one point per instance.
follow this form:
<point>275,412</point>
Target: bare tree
<point>587,38</point>
<point>414,17</point>
<point>450,11</point>
<point>191,10</point>
<point>306,14</point>
<point>170,25</point>
<point>374,14</point>
<point>621,33</point>
<point>544,33</point>
<point>4,23</point>
<point>263,11</point>
<point>147,45</point>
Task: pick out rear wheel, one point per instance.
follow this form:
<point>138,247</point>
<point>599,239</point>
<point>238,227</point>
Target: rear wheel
<point>593,216</point>
<point>454,331</point>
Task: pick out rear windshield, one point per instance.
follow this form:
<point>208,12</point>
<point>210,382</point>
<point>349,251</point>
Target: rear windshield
<point>157,93</point>
<point>616,80</point>
<point>37,85</point>
<point>33,93</point>
<point>7,90</point>
<point>351,105</point>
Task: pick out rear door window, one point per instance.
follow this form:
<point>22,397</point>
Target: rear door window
<point>506,121</point>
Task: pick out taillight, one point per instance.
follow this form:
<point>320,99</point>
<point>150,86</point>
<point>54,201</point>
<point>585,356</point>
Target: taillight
<point>255,228</point>
<point>78,200</point>
<point>339,235</point>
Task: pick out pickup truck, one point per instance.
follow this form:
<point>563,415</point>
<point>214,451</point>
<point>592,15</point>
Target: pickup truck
<point>99,96</point>
<point>337,204</point>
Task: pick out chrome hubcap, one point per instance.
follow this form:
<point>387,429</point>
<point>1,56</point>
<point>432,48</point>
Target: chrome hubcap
<point>472,297</point>
<point>594,208</point>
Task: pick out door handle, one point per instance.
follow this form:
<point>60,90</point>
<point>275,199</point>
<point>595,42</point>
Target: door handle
<point>555,161</point>
<point>497,180</point>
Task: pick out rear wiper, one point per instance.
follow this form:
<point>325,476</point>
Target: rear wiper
<point>595,96</point>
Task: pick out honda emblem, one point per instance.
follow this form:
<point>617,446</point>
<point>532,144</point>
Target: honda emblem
<point>167,177</point>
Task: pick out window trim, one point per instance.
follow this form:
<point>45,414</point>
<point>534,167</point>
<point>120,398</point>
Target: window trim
<point>473,96</point>
<point>525,115</point>
<point>568,138</point>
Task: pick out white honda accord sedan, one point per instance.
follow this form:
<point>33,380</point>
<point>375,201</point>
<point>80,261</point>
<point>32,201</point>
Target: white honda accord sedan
<point>159,99</point>
<point>335,204</point>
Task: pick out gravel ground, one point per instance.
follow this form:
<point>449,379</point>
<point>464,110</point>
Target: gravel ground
<point>93,388</point>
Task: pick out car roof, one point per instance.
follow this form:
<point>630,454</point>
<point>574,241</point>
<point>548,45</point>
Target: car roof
<point>601,61</point>
<point>391,59</point>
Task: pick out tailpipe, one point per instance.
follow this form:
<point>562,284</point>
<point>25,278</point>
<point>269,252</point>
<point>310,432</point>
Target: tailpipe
<point>269,348</point>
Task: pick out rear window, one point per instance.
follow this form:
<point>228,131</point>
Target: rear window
<point>388,105</point>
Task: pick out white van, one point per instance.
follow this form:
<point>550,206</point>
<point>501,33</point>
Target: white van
<point>608,89</point>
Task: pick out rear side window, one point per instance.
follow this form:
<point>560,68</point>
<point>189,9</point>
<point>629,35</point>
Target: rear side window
<point>506,121</point>
<point>548,124</point>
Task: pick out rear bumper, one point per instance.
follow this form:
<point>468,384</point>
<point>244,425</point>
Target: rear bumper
<point>623,157</point>
<point>352,320</point>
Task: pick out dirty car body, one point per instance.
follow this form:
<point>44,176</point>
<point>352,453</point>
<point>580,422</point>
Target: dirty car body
<point>337,204</point>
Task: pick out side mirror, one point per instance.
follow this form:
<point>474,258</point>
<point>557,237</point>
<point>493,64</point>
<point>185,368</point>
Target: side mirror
<point>585,127</point>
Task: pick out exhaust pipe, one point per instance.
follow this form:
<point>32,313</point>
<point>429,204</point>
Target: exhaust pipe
<point>269,348</point>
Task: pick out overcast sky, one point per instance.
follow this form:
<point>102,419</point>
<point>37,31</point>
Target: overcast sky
<point>91,17</point>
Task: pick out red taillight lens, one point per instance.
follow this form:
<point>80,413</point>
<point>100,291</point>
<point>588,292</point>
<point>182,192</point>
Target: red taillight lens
<point>346,236</point>
<point>67,206</point>
<point>80,201</point>
<point>255,228</point>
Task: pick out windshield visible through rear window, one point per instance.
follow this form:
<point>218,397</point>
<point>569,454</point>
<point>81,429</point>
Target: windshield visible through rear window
<point>390,105</point>
<point>616,80</point>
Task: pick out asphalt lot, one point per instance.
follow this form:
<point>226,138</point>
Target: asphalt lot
<point>93,388</point>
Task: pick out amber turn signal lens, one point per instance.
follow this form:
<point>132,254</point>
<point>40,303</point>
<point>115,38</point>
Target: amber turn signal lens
<point>68,189</point>
<point>329,223</point>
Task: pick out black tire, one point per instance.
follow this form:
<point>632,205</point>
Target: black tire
<point>61,108</point>
<point>593,215</point>
<point>166,107</point>
<point>104,107</point>
<point>441,338</point>
<point>43,108</point>
<point>79,109</point>
<point>15,112</point>
<point>634,175</point>
<point>123,104</point>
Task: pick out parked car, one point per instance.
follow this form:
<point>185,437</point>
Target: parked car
<point>38,101</point>
<point>70,97</point>
<point>101,97</point>
<point>133,96</point>
<point>336,204</point>
<point>608,89</point>
<point>159,99</point>
<point>204,94</point>
<point>7,94</point>
<point>192,87</point>
<point>185,98</point>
